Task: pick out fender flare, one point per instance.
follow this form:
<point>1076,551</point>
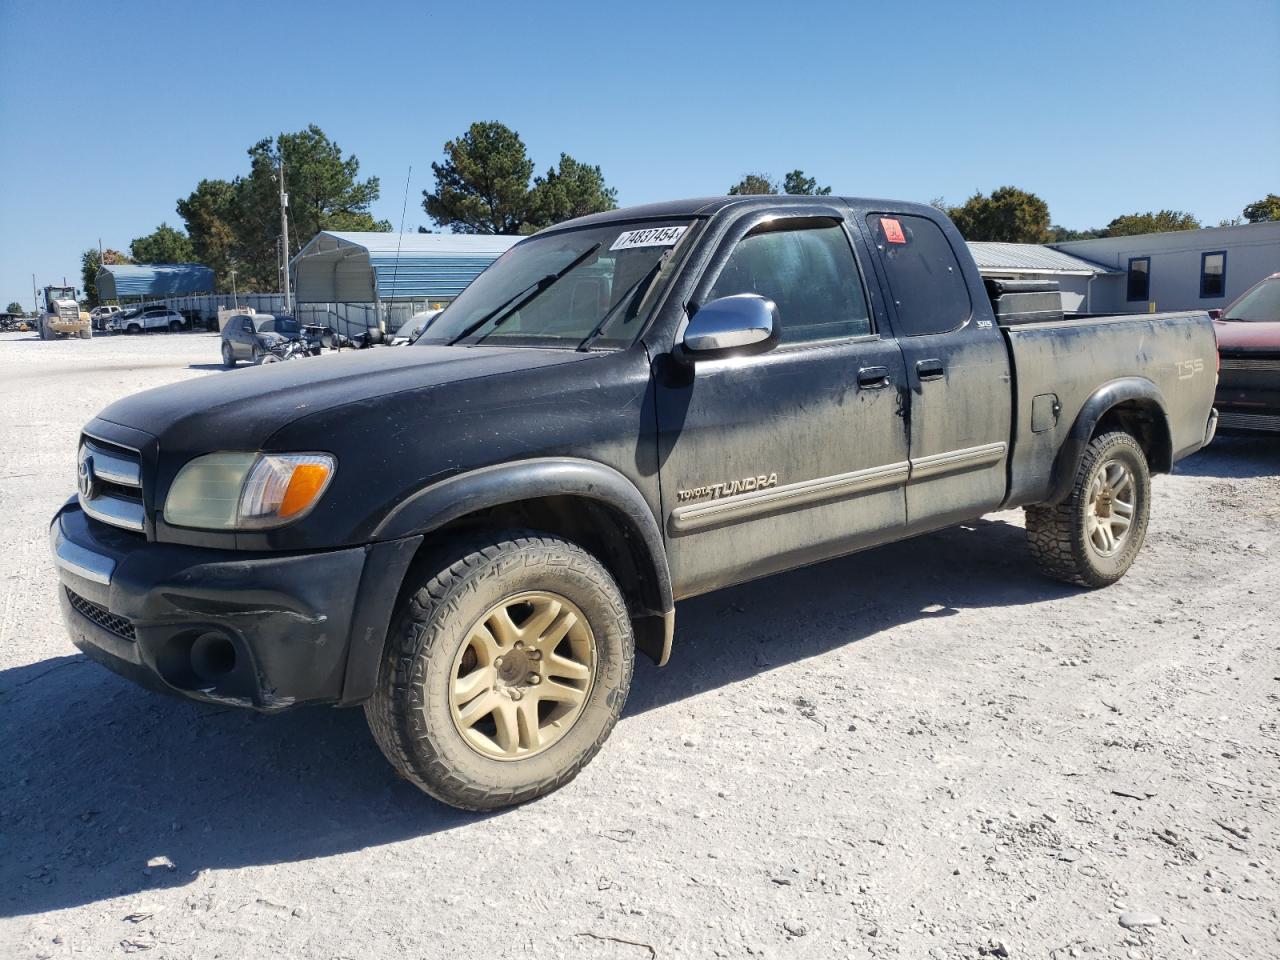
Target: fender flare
<point>1106,398</point>
<point>436,505</point>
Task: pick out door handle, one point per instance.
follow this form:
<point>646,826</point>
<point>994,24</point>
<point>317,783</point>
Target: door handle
<point>873,378</point>
<point>931,369</point>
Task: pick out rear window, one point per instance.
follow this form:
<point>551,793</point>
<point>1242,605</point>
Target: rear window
<point>925,277</point>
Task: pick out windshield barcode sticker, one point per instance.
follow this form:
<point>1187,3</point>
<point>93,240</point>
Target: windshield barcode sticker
<point>652,237</point>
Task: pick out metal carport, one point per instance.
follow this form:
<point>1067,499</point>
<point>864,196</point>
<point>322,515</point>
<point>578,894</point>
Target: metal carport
<point>147,280</point>
<point>339,267</point>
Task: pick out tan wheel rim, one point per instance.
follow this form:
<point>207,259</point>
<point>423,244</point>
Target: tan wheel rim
<point>522,676</point>
<point>1112,501</point>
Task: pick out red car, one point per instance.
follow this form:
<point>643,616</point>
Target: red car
<point>1248,398</point>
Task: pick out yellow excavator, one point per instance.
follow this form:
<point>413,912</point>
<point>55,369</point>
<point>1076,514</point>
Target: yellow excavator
<point>62,316</point>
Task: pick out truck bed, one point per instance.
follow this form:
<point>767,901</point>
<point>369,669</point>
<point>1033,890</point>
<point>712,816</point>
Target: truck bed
<point>1058,365</point>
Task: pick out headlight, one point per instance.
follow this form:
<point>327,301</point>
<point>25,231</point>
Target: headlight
<point>247,491</point>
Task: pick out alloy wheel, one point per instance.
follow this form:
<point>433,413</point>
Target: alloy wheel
<point>522,675</point>
<point>1112,500</point>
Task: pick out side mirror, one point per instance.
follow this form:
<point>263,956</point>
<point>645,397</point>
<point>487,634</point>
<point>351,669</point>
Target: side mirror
<point>1215,314</point>
<point>743,324</point>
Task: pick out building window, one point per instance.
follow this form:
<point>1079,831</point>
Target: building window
<point>1139,279</point>
<point>1213,275</point>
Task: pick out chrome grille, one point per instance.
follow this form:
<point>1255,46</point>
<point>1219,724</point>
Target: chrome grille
<point>109,484</point>
<point>122,627</point>
<point>1249,421</point>
<point>1250,363</point>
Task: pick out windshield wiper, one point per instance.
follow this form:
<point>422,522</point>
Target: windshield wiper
<point>500,314</point>
<point>625,299</point>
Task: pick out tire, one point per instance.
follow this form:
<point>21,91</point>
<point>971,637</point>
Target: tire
<point>255,356</point>
<point>175,326</point>
<point>86,334</point>
<point>1069,539</point>
<point>416,713</point>
<point>228,357</point>
<point>133,328</point>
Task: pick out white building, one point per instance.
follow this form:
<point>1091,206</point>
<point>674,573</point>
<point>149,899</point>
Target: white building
<point>1183,270</point>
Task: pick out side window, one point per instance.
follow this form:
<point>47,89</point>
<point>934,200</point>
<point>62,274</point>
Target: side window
<point>1213,274</point>
<point>924,275</point>
<point>1139,279</point>
<point>809,273</point>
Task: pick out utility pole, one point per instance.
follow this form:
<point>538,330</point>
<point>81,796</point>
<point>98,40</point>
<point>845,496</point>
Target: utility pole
<point>35,293</point>
<point>284,234</point>
<point>235,298</point>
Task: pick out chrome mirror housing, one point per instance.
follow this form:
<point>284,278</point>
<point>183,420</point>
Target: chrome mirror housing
<point>742,324</point>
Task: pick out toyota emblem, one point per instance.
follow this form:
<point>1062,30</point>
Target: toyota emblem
<point>85,478</point>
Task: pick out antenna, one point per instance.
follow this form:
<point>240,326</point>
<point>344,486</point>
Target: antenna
<point>400,236</point>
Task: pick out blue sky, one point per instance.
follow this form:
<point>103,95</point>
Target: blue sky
<point>1101,108</point>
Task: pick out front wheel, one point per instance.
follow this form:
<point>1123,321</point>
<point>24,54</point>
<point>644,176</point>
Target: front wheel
<point>1093,537</point>
<point>228,357</point>
<point>133,328</point>
<point>505,669</point>
<point>175,326</point>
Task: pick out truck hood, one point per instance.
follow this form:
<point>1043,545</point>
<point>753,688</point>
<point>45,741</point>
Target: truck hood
<point>241,409</point>
<point>1247,334</point>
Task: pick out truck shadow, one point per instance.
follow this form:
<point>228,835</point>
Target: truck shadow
<point>1236,456</point>
<point>100,776</point>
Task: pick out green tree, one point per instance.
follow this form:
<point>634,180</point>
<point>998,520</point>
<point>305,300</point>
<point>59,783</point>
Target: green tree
<point>483,184</point>
<point>162,245</point>
<point>798,184</point>
<point>754,184</point>
<point>1264,210</point>
<point>324,194</point>
<point>1059,234</point>
<point>15,308</point>
<point>89,264</point>
<point>570,190</point>
<point>1009,215</point>
<point>1164,221</point>
<point>209,213</point>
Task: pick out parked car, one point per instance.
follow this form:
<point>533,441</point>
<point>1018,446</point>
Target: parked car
<point>473,535</point>
<point>147,318</point>
<point>264,337</point>
<point>1248,397</point>
<point>412,328</point>
<point>99,315</point>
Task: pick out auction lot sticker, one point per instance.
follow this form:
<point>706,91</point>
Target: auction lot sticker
<point>652,237</point>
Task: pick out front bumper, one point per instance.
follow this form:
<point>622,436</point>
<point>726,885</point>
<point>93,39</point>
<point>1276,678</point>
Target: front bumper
<point>261,630</point>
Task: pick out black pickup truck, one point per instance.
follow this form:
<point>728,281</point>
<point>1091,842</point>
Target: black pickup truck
<point>472,535</point>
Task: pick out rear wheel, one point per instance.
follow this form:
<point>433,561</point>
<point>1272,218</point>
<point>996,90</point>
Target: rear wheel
<point>1093,537</point>
<point>505,669</point>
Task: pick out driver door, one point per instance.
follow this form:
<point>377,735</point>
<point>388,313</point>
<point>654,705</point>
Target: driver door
<point>787,457</point>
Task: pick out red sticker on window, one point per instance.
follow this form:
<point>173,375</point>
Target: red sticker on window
<point>892,230</point>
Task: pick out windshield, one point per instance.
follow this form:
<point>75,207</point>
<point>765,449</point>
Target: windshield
<point>285,326</point>
<point>1262,303</point>
<point>62,293</point>
<point>565,289</point>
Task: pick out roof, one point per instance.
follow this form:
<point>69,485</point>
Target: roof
<point>1031,258</point>
<point>119,280</point>
<point>349,267</point>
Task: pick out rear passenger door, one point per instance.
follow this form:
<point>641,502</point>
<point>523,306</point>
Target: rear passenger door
<point>957,369</point>
<point>771,461</point>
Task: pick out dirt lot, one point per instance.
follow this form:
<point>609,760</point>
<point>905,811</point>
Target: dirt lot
<point>924,751</point>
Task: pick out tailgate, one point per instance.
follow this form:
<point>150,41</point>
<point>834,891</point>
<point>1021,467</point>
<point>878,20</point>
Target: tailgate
<point>1059,366</point>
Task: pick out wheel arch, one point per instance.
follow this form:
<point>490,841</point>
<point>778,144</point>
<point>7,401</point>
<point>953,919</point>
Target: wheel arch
<point>582,500</point>
<point>1132,404</point>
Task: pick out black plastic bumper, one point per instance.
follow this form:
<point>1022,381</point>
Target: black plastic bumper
<point>261,630</point>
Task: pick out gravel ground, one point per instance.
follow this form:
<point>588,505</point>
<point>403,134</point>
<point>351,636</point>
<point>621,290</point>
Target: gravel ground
<point>925,750</point>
